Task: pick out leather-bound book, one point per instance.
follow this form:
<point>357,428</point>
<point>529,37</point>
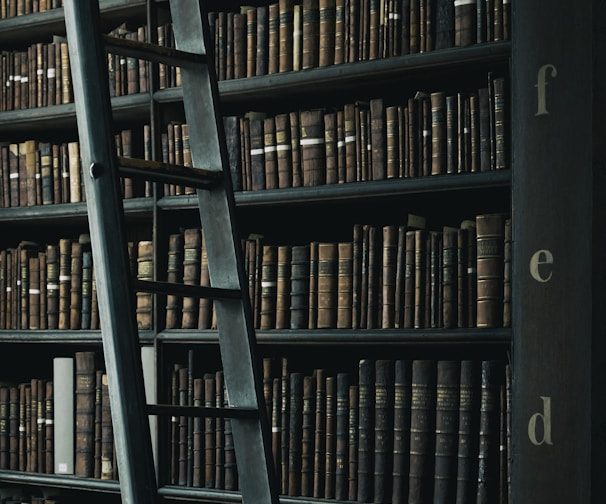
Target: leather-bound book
<point>283,287</point>
<point>422,431</point>
<point>384,430</point>
<point>328,262</point>
<point>205,310</point>
<point>352,454</point>
<point>444,24</point>
<point>283,469</point>
<point>319,405</point>
<point>313,151</point>
<point>313,285</point>
<point>449,277</point>
<point>500,123</point>
<point>389,266</point>
<point>270,154</point>
<point>257,152</point>
<point>340,30</point>
<point>49,431</point>
<point>262,43</point>
<point>307,434</point>
<point>240,47</point>
<point>464,22</point>
<point>65,250</point>
<point>342,437</point>
<point>299,287</point>
<point>273,42</point>
<point>209,432</point>
<point>330,142</point>
<point>4,427</point>
<point>85,412</point>
<point>310,37</point>
<point>438,132</point>
<point>283,150</point>
<point>198,436</point>
<point>87,281</point>
<point>107,433</point>
<point>344,285</point>
<point>295,142</point>
<point>174,275</point>
<point>251,41</point>
<point>401,430</point>
<point>269,277</point>
<point>366,429</point>
<point>330,443</point>
<point>295,428</point>
<point>192,239</point>
<point>507,267</point>
<point>326,32</point>
<point>490,269</point>
<point>285,29</point>
<point>145,273</point>
<point>488,449</point>
<point>467,445</point>
<point>447,423</point>
<point>13,432</point>
<point>377,138</point>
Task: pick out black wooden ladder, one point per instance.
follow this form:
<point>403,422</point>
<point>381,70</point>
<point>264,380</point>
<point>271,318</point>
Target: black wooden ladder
<point>102,170</point>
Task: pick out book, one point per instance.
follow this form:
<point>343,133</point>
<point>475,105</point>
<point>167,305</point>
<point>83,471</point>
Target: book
<point>422,430</point>
<point>174,275</point>
<point>352,455</point>
<point>389,267</point>
<point>447,428</point>
<point>344,285</point>
<point>401,430</point>
<point>307,434</point>
<point>145,273</point>
<point>262,40</point>
<point>75,306</point>
<point>444,24</point>
<point>326,32</point>
<point>490,265</point>
<point>488,450</point>
<point>273,40</point>
<point>330,442</point>
<point>450,288</point>
<point>319,405</point>
<point>384,430</point>
<point>377,138</point>
<point>107,436</point>
<point>342,438</point>
<point>467,444</point>
<point>286,33</point>
<point>191,275</point>
<point>366,429</point>
<point>64,409</point>
<point>4,427</point>
<point>283,287</point>
<point>313,149</point>
<point>84,391</point>
<point>269,277</point>
<point>310,34</point>
<point>295,429</point>
<point>328,262</point>
<point>299,287</point>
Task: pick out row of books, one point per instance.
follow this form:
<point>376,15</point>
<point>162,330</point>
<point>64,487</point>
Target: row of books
<point>395,430</point>
<point>42,173</point>
<point>40,75</point>
<point>53,286</point>
<point>60,425</point>
<point>387,276</point>
<point>12,8</point>
<point>296,35</point>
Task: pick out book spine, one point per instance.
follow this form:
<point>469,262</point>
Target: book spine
<point>313,148</point>
<point>144,300</point>
<point>310,36</point>
<point>490,265</point>
<point>286,29</point>
<point>320,430</point>
<point>328,261</point>
<point>344,285</point>
<point>330,442</point>
<point>64,408</point>
<point>75,305</point>
<point>295,434</point>
<point>84,413</point>
<point>191,275</point>
<point>366,429</point>
<point>283,301</point>
<point>384,430</point>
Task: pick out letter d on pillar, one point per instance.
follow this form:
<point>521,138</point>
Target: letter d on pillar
<point>545,418</point>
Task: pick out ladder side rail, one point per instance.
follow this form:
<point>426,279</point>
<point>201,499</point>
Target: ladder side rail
<point>116,300</point>
<point>226,266</point>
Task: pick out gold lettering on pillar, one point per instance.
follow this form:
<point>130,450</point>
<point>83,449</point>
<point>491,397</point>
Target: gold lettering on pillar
<point>542,84</point>
<point>544,430</point>
<point>538,271</point>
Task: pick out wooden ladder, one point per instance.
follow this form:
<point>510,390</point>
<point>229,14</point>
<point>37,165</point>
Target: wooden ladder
<point>211,177</point>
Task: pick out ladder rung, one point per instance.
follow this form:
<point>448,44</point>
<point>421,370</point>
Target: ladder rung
<point>169,173</point>
<point>197,291</point>
<point>203,411</point>
<point>152,52</point>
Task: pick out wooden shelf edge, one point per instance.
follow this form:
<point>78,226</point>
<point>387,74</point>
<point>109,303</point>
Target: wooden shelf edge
<point>60,481</point>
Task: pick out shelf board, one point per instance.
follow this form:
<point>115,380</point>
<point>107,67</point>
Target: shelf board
<point>350,75</point>
<point>32,27</point>
<point>354,190</point>
<point>80,337</point>
<point>473,336</point>
<point>60,481</point>
<point>68,212</point>
<point>129,107</point>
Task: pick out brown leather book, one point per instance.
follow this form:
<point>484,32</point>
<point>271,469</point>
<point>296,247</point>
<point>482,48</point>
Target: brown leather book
<point>377,139</point>
<point>500,123</point>
<point>65,250</point>
<point>326,32</point>
<point>97,459</point>
<point>75,306</point>
<point>313,285</point>
<point>342,438</point>
<point>310,36</point>
<point>66,78</point>
<point>13,426</point>
<point>32,427</point>
<point>464,22</point>
<point>490,267</point>
<point>34,292</point>
<point>283,287</point>
<point>285,29</point>
<point>251,41</point>
<point>240,48</point>
<point>283,468</point>
<point>206,312</point>
<point>295,142</point>
<point>352,458</point>
<point>389,268</point>
<point>307,434</point>
<point>320,430</point>
<point>340,31</point>
<point>107,434</point>
<point>198,436</point>
<point>313,149</point>
<point>438,132</point>
<point>24,404</point>
<point>353,31</point>
<point>270,154</point>
<point>415,27</point>
<point>269,278</point>
<point>330,141</point>
<point>174,275</point>
<point>328,263</point>
<point>446,440</point>
<point>273,44</point>
<point>191,275</point>
<point>49,431</point>
<point>219,432</point>
<point>344,285</point>
<point>295,429</point>
<point>85,412</point>
<point>209,432</point>
<point>328,492</point>
<point>145,272</point>
<point>4,426</point>
<point>351,141</point>
<point>449,277</point>
<point>52,286</point>
<point>262,40</point>
<point>283,150</point>
<point>299,287</point>
<point>420,277</point>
